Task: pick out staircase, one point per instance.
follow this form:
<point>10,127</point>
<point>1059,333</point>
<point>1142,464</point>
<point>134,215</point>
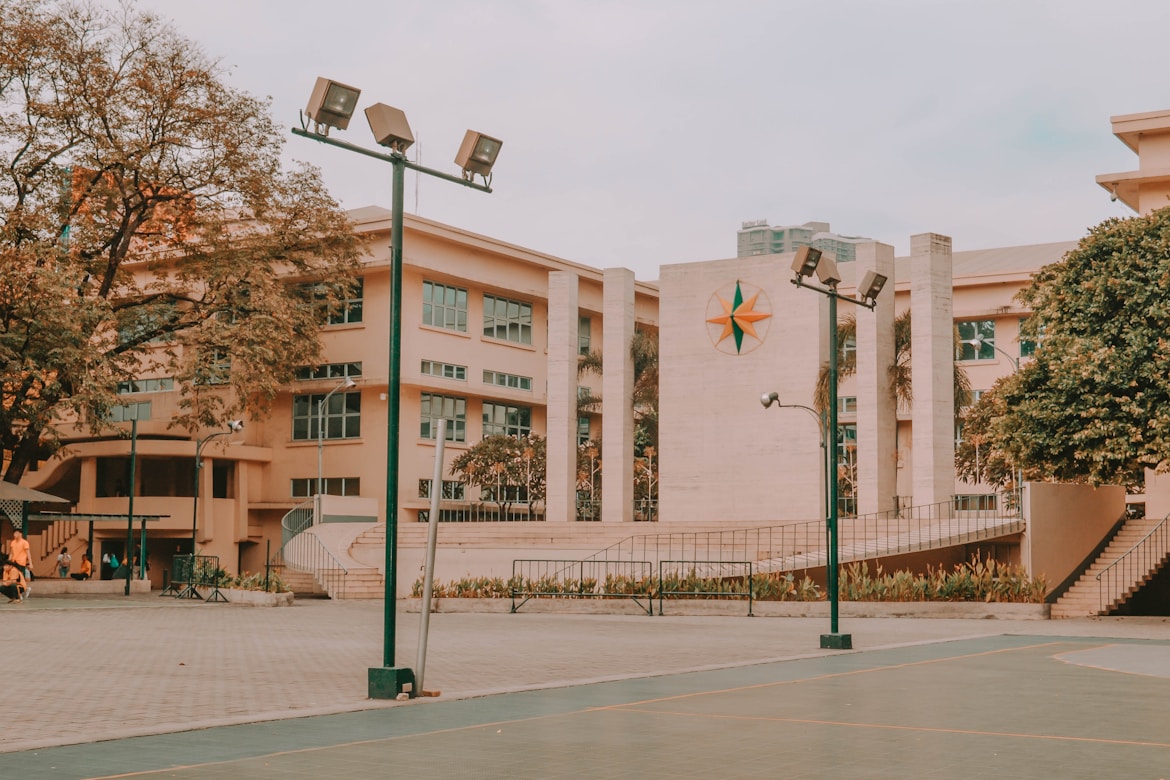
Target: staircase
<point>1131,559</point>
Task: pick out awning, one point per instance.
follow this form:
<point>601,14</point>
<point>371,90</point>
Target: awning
<point>11,492</point>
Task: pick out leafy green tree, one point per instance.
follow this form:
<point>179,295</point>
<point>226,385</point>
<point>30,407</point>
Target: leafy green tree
<point>146,229</point>
<point>507,469</point>
<point>1094,403</point>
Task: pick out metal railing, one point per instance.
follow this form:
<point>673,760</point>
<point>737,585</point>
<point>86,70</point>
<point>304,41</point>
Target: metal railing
<point>1135,566</point>
<point>804,545</point>
<point>482,512</point>
<point>572,579</point>
<point>306,553</point>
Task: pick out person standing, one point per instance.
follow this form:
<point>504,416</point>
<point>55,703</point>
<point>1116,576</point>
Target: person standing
<point>63,561</point>
<point>19,553</point>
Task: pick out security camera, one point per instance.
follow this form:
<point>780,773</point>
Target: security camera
<point>1113,195</point>
<point>235,426</point>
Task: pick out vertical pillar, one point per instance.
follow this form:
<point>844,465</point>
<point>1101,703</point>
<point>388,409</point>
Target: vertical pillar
<point>241,501</point>
<point>204,528</point>
<point>877,466</point>
<point>617,397</point>
<point>932,369</point>
<point>561,410</point>
<point>87,491</point>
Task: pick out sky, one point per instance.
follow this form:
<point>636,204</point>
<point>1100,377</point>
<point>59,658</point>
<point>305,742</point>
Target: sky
<point>640,133</point>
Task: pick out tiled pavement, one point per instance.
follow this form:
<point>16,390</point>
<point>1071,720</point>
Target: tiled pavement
<point>108,669</point>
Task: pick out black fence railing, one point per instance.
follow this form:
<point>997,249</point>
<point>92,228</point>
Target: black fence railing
<point>569,579</point>
<point>1134,568</point>
<point>705,579</point>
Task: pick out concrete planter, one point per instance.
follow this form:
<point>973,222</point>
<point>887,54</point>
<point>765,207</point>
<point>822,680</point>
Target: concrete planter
<point>71,587</point>
<point>254,598</point>
<point>970,610</point>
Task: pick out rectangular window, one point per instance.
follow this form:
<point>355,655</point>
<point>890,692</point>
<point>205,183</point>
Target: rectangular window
<point>436,407</point>
<point>847,404</point>
<point>846,445</point>
<point>445,306</point>
<point>506,420</point>
<point>849,349</point>
<point>131,411</point>
<point>582,430</point>
<point>1028,346</point>
<point>351,307</point>
<point>500,379</point>
<point>583,335</point>
<point>158,385</point>
<point>507,320</point>
<point>444,370</point>
<point>329,371</point>
<point>976,340</point>
<point>453,490</point>
<point>333,486</point>
<point>342,416</point>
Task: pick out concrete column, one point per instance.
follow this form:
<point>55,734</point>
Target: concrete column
<point>932,361</point>
<point>561,499</point>
<point>877,466</point>
<point>617,397</point>
<point>241,506</point>
<point>205,517</point>
<point>88,487</point>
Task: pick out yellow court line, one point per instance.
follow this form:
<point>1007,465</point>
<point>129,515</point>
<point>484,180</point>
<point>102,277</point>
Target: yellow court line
<point>892,727</point>
<point>777,683</point>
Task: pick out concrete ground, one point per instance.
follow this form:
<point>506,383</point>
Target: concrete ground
<point>605,695</point>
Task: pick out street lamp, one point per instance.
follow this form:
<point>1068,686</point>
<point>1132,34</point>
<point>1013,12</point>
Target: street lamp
<point>347,384</point>
<point>768,399</point>
<point>234,426</point>
<point>807,262</point>
<point>978,342</point>
<point>331,105</point>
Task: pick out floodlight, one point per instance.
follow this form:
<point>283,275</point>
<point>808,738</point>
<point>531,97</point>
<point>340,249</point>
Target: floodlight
<point>767,399</point>
<point>235,426</point>
<point>477,154</point>
<point>871,284</point>
<point>806,261</point>
<point>390,127</point>
<point>331,104</point>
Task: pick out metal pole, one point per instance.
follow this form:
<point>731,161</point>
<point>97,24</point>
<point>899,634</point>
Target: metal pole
<point>432,542</point>
<point>129,563</point>
<point>321,441</point>
<point>393,413</point>
<point>831,475</point>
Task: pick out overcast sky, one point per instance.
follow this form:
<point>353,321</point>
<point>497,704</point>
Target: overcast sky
<point>639,133</point>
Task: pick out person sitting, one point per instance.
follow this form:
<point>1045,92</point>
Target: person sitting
<point>12,583</point>
<point>86,568</point>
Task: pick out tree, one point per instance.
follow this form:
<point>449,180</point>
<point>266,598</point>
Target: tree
<point>507,469</point>
<point>146,229</point>
<point>1094,404</point>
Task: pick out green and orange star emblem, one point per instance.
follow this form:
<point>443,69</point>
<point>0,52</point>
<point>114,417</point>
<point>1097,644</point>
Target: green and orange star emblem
<point>739,317</point>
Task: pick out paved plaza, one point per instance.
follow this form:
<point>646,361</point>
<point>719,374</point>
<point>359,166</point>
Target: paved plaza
<point>150,686</point>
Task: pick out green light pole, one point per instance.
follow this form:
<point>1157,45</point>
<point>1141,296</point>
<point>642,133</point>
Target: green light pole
<point>389,681</point>
<point>808,261</point>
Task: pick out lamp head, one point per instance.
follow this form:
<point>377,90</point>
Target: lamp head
<point>871,284</point>
<point>331,104</point>
<point>767,399</point>
<point>235,426</point>
<point>389,126</point>
<point>477,154</point>
<point>806,261</point>
<point>349,383</point>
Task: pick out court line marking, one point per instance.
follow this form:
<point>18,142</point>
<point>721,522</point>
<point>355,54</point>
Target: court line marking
<point>893,727</point>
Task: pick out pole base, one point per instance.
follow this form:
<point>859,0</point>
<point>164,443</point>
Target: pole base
<point>387,682</point>
<point>836,641</point>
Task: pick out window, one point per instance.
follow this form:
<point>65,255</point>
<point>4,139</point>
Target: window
<point>975,502</point>
<point>329,371</point>
<point>333,486</point>
<point>847,404</point>
<point>502,419</point>
<point>453,410</point>
<point>846,445</point>
<point>342,416</point>
<point>444,370</point>
<point>453,490</point>
<point>849,348</point>
<point>507,320</point>
<point>158,385</point>
<point>131,411</point>
<point>501,379</point>
<point>582,430</point>
<point>445,306</point>
<point>977,339</point>
<point>1028,346</point>
<point>583,335</point>
<point>351,307</point>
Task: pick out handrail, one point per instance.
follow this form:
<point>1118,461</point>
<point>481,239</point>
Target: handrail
<point>1148,555</point>
<point>804,545</point>
<point>305,552</point>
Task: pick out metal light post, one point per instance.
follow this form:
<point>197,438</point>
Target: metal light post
<point>978,342</point>
<point>806,262</point>
<point>130,499</point>
<point>768,399</point>
<point>348,383</point>
<point>331,105</point>
<point>234,426</point>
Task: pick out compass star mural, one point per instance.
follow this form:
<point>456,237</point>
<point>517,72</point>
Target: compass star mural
<point>738,317</point>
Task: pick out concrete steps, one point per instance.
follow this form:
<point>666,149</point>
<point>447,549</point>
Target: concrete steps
<point>1088,595</point>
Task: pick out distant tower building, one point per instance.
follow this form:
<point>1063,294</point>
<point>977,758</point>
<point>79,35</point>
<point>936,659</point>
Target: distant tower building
<point>759,238</point>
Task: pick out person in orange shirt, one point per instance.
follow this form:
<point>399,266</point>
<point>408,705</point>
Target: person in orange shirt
<point>86,569</point>
<point>19,553</point>
<point>13,584</point>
